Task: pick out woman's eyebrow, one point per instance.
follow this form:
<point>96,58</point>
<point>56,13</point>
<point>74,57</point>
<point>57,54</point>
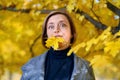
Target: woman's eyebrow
<point>51,23</point>
<point>63,21</point>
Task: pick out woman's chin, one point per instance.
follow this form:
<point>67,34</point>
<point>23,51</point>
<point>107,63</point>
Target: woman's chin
<point>63,46</point>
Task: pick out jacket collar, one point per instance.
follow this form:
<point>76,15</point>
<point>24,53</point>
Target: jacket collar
<point>37,67</point>
<point>76,69</point>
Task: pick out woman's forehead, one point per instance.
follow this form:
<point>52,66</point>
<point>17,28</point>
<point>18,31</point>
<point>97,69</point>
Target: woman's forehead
<point>57,17</point>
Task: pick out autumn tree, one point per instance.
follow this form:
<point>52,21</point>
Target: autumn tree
<point>97,23</point>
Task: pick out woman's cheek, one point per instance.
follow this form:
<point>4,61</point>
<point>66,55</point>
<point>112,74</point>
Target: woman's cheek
<point>67,39</point>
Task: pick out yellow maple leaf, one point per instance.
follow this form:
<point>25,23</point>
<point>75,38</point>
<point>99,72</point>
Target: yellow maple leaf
<point>112,47</point>
<point>105,34</point>
<point>76,48</point>
<point>54,42</point>
<point>90,43</point>
<point>117,34</point>
<point>99,60</point>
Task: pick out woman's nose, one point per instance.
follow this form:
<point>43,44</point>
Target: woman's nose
<point>56,30</point>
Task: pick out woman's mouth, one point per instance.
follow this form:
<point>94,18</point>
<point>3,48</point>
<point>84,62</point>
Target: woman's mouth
<point>58,36</point>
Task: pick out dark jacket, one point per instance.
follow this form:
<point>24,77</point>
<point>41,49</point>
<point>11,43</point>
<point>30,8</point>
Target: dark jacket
<point>34,69</point>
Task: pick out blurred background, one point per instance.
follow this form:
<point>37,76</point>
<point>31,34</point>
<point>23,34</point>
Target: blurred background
<point>97,24</point>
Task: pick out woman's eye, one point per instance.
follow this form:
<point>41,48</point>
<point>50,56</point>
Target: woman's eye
<point>63,25</point>
<point>51,27</point>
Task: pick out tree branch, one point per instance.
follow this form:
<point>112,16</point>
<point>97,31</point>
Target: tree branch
<point>12,8</point>
<point>116,11</point>
<point>31,47</point>
<point>89,18</point>
<point>113,8</point>
<point>94,12</point>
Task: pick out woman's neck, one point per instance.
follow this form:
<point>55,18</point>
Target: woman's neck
<point>59,53</point>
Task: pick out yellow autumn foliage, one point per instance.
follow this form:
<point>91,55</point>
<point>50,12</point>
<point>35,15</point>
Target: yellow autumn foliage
<point>104,42</point>
<point>100,60</point>
<point>19,30</point>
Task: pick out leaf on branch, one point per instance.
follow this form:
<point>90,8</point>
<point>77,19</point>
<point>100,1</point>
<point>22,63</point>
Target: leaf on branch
<point>117,34</point>
<point>99,60</point>
<point>76,48</point>
<point>90,43</point>
<point>71,5</point>
<point>106,33</point>
<point>113,48</point>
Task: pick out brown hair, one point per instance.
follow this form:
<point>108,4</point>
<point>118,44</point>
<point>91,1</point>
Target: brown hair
<point>72,27</point>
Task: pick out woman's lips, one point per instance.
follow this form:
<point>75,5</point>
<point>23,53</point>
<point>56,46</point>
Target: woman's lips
<point>58,36</point>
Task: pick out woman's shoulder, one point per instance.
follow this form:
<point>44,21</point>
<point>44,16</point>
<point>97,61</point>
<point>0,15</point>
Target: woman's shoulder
<point>34,62</point>
<point>81,62</point>
<point>83,68</point>
<point>80,59</point>
<point>33,67</point>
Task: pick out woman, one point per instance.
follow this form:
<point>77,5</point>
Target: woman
<point>55,64</point>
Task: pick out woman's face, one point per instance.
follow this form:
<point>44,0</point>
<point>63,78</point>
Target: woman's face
<point>59,26</point>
